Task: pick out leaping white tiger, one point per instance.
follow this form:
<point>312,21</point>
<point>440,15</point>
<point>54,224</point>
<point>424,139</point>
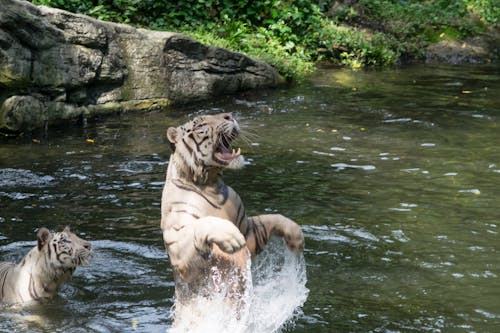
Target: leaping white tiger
<point>203,220</point>
<point>45,268</point>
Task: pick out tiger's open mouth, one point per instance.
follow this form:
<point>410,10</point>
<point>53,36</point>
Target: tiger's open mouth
<point>224,153</point>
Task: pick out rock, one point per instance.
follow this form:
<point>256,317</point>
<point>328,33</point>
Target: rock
<point>20,110</point>
<point>56,65</point>
<point>456,52</point>
<point>475,50</point>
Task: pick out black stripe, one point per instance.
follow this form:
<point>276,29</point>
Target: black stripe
<point>4,279</point>
<point>187,212</point>
<point>205,138</point>
<point>49,251</point>
<point>247,227</point>
<point>260,234</point>
<point>223,189</point>
<point>188,147</point>
<point>58,255</point>
<point>191,136</point>
<point>240,215</point>
<point>32,289</point>
<point>198,144</point>
<point>179,203</point>
<point>195,190</point>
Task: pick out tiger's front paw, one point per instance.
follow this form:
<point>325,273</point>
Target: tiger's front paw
<point>223,233</point>
<point>292,233</point>
<point>295,239</point>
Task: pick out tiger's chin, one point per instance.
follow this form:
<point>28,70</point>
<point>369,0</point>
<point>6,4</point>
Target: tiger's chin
<point>236,163</point>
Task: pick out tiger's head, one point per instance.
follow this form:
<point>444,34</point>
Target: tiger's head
<point>202,146</point>
<point>65,250</point>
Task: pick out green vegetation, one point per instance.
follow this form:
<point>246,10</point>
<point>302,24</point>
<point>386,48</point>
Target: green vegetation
<point>294,34</point>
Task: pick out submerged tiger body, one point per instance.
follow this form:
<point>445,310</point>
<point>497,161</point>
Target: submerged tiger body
<point>45,268</point>
<point>207,234</point>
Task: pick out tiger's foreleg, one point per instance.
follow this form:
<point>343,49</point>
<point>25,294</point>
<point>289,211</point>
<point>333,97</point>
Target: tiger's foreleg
<point>189,240</point>
<point>213,230</point>
<point>260,228</point>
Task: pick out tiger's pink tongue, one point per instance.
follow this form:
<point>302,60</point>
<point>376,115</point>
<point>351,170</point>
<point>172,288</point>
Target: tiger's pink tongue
<point>227,155</point>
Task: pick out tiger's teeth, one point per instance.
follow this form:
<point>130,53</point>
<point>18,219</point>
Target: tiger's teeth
<point>238,152</point>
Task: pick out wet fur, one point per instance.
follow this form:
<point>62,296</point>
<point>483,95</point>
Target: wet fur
<point>204,223</point>
<point>44,269</point>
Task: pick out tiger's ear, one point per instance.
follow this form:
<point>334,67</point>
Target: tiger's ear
<point>172,134</point>
<point>172,137</point>
<point>43,236</point>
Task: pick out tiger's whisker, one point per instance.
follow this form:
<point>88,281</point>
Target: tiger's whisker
<point>248,138</point>
<point>248,133</point>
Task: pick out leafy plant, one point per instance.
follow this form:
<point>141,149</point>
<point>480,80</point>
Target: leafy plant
<point>293,34</point>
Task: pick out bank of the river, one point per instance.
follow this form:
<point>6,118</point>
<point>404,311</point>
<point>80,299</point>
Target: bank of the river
<point>56,65</point>
<point>293,35</point>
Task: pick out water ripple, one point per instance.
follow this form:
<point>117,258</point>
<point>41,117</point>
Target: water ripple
<point>343,166</point>
<point>333,234</point>
<point>149,252</point>
<point>487,314</point>
<point>23,178</point>
<point>138,167</point>
<point>17,195</point>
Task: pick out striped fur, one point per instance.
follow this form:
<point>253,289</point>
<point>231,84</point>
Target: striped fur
<point>45,268</point>
<point>203,219</point>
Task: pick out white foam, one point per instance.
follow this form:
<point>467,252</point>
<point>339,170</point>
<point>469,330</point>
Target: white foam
<point>272,302</point>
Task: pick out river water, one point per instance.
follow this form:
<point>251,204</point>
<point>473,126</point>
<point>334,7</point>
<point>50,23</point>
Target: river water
<point>394,176</point>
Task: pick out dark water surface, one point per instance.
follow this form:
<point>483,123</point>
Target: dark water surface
<point>394,176</point>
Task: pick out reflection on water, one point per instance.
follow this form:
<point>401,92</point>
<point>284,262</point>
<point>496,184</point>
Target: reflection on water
<point>393,175</point>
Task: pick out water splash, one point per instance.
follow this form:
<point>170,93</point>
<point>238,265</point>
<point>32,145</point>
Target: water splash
<point>272,303</point>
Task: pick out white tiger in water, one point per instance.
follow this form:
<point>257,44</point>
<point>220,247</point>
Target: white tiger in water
<point>208,236</point>
<point>45,268</point>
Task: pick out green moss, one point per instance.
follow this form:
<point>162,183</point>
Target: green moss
<point>146,104</point>
<point>12,80</point>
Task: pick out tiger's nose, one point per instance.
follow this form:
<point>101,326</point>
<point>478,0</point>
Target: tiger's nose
<point>228,117</point>
<point>87,245</point>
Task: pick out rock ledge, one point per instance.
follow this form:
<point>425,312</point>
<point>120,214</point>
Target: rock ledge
<point>56,65</point>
